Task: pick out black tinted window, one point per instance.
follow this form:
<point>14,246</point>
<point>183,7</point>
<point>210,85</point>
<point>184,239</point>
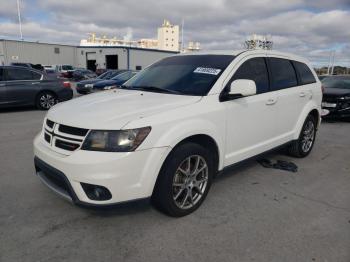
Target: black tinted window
<point>254,69</point>
<point>1,75</point>
<point>305,74</point>
<point>283,73</point>
<point>18,74</point>
<point>36,76</point>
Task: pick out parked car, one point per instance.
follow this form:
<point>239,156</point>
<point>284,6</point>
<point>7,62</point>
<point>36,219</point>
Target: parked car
<point>81,74</point>
<point>171,128</point>
<point>20,86</point>
<point>336,96</point>
<point>65,71</point>
<point>85,86</point>
<point>114,82</point>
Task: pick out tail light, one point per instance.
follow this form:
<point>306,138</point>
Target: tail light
<point>66,84</point>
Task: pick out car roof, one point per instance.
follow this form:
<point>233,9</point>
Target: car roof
<point>22,67</point>
<point>250,52</point>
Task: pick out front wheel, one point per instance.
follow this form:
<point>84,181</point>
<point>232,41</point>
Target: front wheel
<point>303,145</point>
<point>45,100</point>
<point>184,180</point>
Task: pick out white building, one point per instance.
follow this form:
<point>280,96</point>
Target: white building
<point>168,37</point>
<point>91,57</point>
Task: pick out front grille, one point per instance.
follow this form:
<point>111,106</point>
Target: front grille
<point>66,145</point>
<point>57,181</point>
<point>63,137</point>
<point>47,138</point>
<point>73,130</point>
<point>49,123</point>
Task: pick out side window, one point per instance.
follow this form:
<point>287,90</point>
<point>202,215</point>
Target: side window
<point>18,74</point>
<point>1,74</point>
<point>254,69</point>
<point>36,76</point>
<point>305,74</point>
<point>283,73</point>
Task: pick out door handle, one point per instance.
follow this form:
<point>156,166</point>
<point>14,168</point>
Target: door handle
<point>302,94</point>
<point>271,101</point>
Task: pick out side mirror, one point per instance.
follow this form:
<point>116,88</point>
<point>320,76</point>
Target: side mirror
<point>241,88</point>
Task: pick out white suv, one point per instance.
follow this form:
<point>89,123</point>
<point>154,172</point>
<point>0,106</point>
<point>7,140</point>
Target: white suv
<point>167,132</point>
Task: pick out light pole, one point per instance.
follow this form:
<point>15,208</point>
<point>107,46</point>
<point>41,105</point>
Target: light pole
<point>19,19</point>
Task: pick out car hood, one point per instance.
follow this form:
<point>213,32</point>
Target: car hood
<point>336,91</point>
<point>104,83</point>
<point>113,109</point>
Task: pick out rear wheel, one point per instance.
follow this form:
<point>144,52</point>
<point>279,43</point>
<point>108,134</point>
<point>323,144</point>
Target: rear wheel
<point>184,180</point>
<point>304,144</point>
<point>46,100</point>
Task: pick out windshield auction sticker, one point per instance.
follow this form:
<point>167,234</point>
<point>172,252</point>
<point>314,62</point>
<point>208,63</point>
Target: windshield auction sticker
<point>207,70</point>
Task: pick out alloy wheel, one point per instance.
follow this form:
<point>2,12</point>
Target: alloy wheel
<point>190,182</point>
<point>308,136</point>
<point>47,101</point>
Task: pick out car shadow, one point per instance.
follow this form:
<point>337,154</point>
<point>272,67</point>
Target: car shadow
<point>120,209</point>
<point>18,109</point>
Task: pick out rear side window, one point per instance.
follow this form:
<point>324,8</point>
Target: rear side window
<point>36,76</point>
<point>305,74</point>
<point>15,74</point>
<point>1,74</point>
<point>254,69</point>
<point>283,73</point>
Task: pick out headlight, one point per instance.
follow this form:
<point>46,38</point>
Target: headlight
<point>109,87</point>
<point>115,141</point>
<point>89,85</point>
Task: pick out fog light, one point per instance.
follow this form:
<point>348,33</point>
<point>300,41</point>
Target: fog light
<point>95,192</point>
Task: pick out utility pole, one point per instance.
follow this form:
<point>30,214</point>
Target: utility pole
<point>333,60</point>
<point>182,35</point>
<point>19,19</point>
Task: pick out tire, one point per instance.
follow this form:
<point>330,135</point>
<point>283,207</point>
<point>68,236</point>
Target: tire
<point>45,100</point>
<point>178,193</point>
<point>304,144</point>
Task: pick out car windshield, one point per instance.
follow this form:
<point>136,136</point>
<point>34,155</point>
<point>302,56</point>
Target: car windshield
<point>185,74</point>
<point>67,67</point>
<point>342,82</point>
<point>105,75</point>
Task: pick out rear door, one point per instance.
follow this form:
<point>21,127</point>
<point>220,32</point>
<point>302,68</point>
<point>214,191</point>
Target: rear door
<point>284,85</point>
<point>22,85</point>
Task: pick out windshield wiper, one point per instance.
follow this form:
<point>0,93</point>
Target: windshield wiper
<point>152,88</point>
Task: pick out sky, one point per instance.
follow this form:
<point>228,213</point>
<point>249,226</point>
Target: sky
<point>310,28</point>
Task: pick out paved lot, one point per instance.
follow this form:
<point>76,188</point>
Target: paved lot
<point>251,214</point>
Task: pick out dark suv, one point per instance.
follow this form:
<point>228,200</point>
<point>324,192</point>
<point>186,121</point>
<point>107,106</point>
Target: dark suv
<point>20,86</point>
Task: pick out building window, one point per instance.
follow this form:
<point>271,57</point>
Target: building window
<point>138,67</point>
<point>57,50</point>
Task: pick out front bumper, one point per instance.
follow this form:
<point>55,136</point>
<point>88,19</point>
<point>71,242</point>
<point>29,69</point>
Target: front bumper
<point>128,176</point>
<point>337,112</point>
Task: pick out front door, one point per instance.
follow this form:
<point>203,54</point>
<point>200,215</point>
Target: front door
<point>250,121</point>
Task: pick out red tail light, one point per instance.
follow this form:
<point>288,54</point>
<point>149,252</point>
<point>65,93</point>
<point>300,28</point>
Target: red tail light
<point>66,84</point>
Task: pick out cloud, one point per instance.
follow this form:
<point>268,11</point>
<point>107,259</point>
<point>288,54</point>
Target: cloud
<point>309,28</point>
